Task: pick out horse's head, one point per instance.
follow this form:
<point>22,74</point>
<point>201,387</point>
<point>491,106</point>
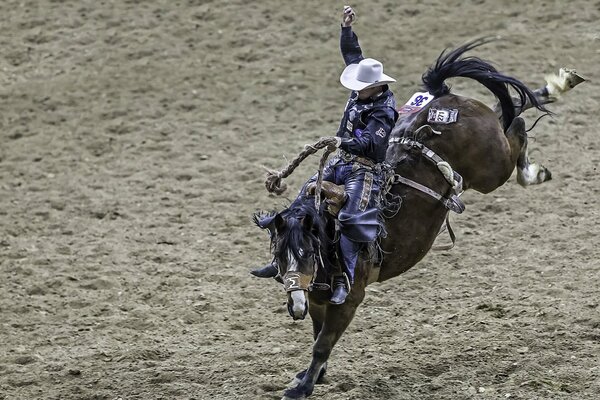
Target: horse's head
<point>295,243</point>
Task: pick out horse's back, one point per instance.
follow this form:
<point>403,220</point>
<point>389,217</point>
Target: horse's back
<point>475,140</point>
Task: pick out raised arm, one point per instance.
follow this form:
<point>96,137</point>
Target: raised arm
<point>348,40</point>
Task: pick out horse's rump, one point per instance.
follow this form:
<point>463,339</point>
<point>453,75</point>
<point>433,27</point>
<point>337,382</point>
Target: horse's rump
<point>481,155</point>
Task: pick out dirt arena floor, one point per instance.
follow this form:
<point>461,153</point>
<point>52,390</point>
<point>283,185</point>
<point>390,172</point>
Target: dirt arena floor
<point>132,140</point>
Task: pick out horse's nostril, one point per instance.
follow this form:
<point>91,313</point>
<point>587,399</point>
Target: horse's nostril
<point>297,313</point>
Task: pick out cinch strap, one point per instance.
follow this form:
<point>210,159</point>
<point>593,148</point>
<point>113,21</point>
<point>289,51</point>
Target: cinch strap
<point>454,203</point>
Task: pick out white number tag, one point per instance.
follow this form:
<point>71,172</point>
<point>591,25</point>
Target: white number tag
<point>416,103</point>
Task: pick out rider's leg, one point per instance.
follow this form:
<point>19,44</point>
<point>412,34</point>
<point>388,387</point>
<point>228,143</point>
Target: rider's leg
<point>358,222</point>
<point>350,250</point>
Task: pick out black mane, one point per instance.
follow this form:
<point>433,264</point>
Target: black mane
<point>294,234</point>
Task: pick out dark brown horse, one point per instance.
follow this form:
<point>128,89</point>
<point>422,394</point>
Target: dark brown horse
<point>451,139</point>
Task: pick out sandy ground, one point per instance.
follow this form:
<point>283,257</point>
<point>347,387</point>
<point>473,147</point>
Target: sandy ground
<point>132,139</point>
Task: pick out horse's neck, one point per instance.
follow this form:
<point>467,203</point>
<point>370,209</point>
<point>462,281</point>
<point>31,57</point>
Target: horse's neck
<point>405,124</point>
<point>412,231</point>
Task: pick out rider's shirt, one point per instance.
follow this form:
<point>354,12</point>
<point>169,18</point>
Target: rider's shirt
<point>366,124</point>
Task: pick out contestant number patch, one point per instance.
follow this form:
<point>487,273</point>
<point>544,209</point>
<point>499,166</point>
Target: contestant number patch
<point>442,116</point>
<point>416,103</point>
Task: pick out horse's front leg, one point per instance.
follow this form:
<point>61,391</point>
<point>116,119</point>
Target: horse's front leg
<point>337,319</point>
<point>317,315</point>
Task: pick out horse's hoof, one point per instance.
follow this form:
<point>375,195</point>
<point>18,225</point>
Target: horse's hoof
<point>296,381</point>
<point>571,77</point>
<point>296,393</point>
<point>566,80</point>
<point>300,375</point>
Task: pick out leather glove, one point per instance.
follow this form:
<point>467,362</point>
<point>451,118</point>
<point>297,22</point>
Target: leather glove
<point>348,17</point>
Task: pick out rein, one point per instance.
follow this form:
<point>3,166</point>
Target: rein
<point>274,180</point>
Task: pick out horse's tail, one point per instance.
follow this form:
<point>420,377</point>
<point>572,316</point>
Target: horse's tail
<point>452,64</point>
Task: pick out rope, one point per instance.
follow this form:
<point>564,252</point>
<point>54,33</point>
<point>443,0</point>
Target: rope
<point>319,183</point>
<point>274,179</point>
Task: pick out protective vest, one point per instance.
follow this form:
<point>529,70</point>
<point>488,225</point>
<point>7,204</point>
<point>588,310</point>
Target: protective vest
<point>354,119</point>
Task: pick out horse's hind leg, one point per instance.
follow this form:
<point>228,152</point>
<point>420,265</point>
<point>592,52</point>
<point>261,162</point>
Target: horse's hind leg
<point>517,139</point>
<point>531,173</point>
<point>528,173</point>
<point>556,85</point>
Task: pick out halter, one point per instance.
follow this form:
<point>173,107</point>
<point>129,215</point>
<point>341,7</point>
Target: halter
<point>296,280</point>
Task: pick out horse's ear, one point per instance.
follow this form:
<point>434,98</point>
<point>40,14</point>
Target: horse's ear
<point>263,220</point>
<point>279,222</point>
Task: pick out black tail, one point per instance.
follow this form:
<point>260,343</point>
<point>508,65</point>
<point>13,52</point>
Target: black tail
<point>452,64</point>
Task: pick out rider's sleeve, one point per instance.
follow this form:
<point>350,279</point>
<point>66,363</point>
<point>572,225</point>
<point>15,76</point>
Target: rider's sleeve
<point>372,142</point>
<point>349,45</point>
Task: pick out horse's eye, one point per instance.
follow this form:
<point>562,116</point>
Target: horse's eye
<point>304,254</point>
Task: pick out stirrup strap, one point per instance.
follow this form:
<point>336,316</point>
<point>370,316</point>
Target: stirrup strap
<point>452,236</point>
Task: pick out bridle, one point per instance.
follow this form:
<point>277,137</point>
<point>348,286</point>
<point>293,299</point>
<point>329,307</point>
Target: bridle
<point>296,280</point>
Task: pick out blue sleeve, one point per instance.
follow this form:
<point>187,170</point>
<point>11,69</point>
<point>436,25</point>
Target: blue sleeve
<point>373,141</point>
<point>349,46</point>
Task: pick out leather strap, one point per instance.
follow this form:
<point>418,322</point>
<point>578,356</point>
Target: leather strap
<point>453,203</point>
<point>294,280</point>
<point>354,158</point>
<point>431,156</point>
<point>452,236</point>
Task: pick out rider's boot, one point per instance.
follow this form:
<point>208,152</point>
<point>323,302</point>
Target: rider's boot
<point>340,288</point>
<point>341,283</point>
<point>268,271</point>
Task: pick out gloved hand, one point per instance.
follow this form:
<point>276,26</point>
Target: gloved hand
<point>348,17</point>
<point>332,142</point>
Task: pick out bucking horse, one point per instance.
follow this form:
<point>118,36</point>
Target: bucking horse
<point>442,145</point>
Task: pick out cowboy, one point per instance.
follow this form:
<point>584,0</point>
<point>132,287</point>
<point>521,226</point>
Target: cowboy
<point>362,139</point>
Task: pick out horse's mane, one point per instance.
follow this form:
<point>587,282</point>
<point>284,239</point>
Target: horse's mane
<point>452,64</point>
<point>293,234</point>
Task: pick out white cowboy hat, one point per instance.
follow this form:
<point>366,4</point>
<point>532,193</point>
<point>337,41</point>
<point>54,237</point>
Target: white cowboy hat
<point>367,73</point>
